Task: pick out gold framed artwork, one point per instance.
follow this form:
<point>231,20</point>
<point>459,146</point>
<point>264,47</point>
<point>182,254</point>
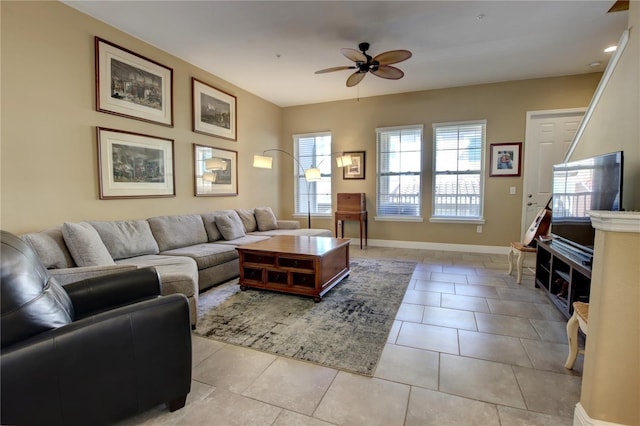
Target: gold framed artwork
<point>357,168</point>
<point>214,111</point>
<point>130,85</point>
<point>216,171</point>
<point>133,165</point>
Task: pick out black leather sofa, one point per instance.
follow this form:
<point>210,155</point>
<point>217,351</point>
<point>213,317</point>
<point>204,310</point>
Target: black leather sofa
<point>91,352</point>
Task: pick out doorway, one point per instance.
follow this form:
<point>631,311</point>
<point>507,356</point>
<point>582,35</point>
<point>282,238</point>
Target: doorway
<point>547,138</point>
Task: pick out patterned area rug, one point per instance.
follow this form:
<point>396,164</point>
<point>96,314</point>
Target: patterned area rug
<point>347,330</point>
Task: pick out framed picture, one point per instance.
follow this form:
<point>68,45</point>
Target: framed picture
<point>506,159</point>
<point>132,165</point>
<point>357,167</point>
<point>214,111</point>
<point>216,171</point>
<point>131,85</point>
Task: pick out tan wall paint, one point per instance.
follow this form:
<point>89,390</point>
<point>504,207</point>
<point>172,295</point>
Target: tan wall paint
<point>49,150</point>
<point>615,123</point>
<point>503,105</point>
<point>611,377</point>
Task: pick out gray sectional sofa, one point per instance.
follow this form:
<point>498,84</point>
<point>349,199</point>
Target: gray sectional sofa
<point>190,252</point>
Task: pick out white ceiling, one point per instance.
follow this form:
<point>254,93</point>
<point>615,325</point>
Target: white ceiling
<point>272,48</point>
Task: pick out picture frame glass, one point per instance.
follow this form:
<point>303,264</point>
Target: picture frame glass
<point>132,86</point>
<point>133,165</point>
<point>216,171</point>
<point>356,170</point>
<point>506,159</point>
<point>214,111</point>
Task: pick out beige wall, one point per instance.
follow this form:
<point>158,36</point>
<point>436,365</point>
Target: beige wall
<point>503,105</point>
<point>615,122</point>
<point>611,377</point>
<point>49,149</point>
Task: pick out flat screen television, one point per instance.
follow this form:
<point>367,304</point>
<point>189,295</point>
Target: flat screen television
<point>591,184</point>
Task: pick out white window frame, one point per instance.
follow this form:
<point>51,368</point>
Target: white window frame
<point>399,217</point>
<point>460,219</point>
<point>323,161</point>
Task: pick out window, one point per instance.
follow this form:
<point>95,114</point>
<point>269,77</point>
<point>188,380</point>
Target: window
<point>458,170</point>
<point>399,159</point>
<point>312,150</point>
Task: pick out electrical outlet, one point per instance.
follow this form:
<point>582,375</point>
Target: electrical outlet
<point>512,190</point>
<point>479,229</point>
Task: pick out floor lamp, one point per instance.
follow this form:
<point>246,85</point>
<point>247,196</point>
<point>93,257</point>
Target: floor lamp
<point>310,175</point>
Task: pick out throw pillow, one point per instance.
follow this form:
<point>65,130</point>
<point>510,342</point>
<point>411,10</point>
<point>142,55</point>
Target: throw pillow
<point>266,219</point>
<point>85,245</point>
<point>126,238</point>
<point>230,226</point>
<point>248,219</point>
<point>50,248</point>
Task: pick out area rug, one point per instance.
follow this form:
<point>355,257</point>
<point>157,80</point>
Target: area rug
<point>347,330</point>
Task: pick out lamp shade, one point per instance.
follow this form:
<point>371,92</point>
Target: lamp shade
<point>312,174</point>
<point>343,160</point>
<point>262,162</point>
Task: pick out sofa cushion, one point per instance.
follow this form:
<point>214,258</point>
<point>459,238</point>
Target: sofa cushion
<point>247,239</point>
<point>266,219</point>
<point>50,248</point>
<point>206,255</point>
<point>304,232</point>
<point>230,226</point>
<point>248,219</point>
<point>126,238</point>
<point>85,245</point>
<point>177,231</point>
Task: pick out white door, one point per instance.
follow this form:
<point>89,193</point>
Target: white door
<point>548,137</point>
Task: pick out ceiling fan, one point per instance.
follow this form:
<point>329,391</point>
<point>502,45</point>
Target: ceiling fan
<point>379,65</point>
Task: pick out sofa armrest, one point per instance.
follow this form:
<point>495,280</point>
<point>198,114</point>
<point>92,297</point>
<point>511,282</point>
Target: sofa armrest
<point>288,224</point>
<point>102,368</point>
<point>108,291</point>
<point>70,275</point>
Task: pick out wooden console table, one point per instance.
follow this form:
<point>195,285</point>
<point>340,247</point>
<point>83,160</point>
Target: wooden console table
<point>352,207</point>
<point>308,266</point>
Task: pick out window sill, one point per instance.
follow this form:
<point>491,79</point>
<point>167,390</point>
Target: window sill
<point>399,219</point>
<point>478,221</point>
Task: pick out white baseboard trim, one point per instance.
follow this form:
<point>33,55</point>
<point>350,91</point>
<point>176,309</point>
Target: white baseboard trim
<point>465,248</point>
<point>581,418</point>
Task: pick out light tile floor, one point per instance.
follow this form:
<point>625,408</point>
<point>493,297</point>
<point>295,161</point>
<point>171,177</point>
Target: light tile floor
<point>468,347</point>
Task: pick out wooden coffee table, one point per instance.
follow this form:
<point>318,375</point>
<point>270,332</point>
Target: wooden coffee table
<point>308,266</point>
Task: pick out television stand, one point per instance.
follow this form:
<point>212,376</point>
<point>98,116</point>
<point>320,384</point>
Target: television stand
<point>561,272</point>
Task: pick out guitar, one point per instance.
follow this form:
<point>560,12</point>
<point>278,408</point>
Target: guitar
<point>539,226</point>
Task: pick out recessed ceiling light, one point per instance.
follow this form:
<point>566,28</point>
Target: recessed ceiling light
<point>610,49</point>
<point>595,64</point>
<point>481,17</point>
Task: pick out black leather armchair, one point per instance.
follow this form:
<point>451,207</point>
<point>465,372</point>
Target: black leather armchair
<point>92,352</point>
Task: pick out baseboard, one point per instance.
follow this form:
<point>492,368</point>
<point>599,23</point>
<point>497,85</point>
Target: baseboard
<point>465,248</point>
<point>581,418</point>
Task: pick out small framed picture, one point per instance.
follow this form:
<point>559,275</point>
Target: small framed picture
<point>133,165</point>
<point>214,111</point>
<point>132,86</point>
<point>357,168</point>
<point>506,159</point>
<point>216,171</point>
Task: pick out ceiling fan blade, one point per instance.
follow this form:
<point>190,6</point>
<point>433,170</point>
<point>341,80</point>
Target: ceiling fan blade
<point>387,71</point>
<point>332,69</point>
<point>355,78</point>
<point>619,6</point>
<point>392,57</point>
<point>353,55</point>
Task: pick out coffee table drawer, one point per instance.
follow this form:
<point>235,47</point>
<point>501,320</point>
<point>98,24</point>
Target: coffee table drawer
<point>296,263</point>
<point>262,259</point>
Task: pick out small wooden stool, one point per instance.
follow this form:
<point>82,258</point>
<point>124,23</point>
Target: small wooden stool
<point>580,318</point>
<point>520,249</point>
